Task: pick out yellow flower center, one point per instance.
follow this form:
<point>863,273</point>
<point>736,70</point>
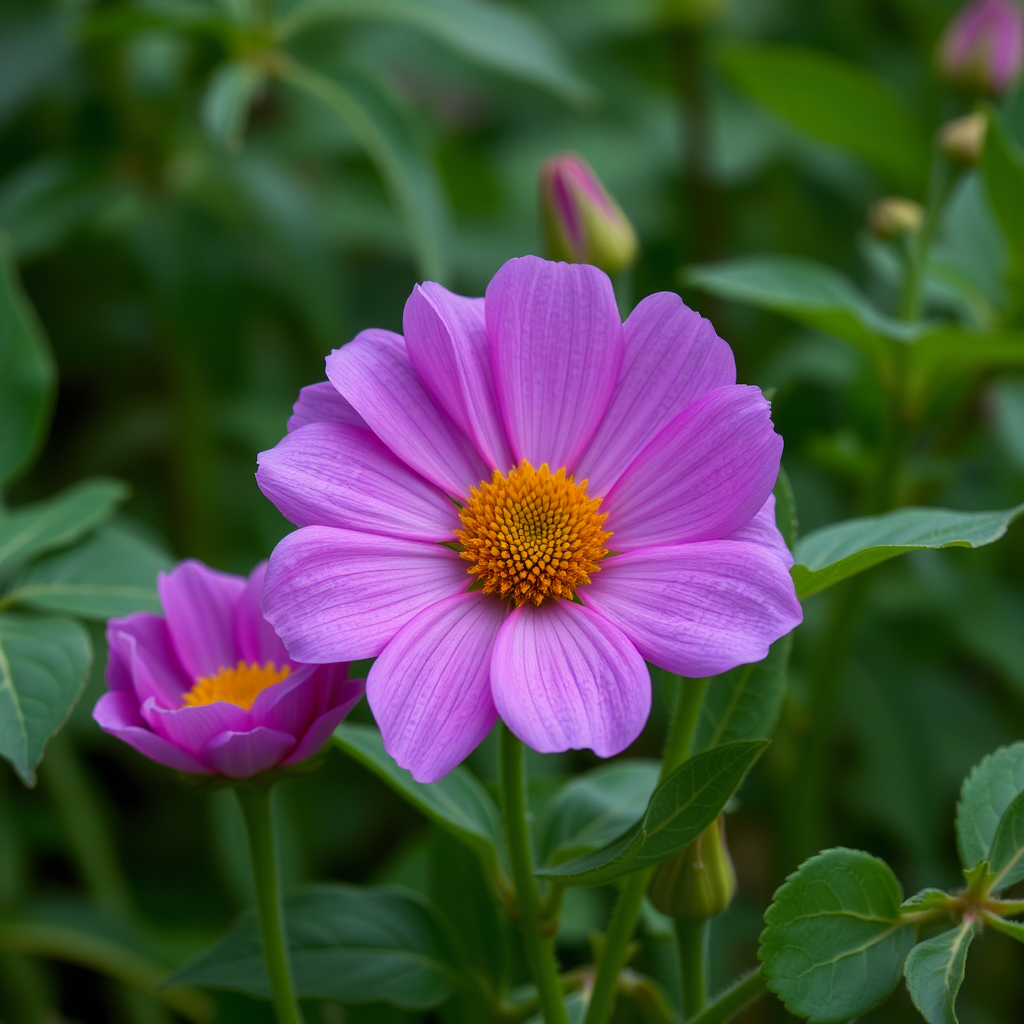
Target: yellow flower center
<point>532,535</point>
<point>240,685</point>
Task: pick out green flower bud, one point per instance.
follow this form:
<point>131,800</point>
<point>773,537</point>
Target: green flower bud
<point>963,138</point>
<point>698,882</point>
<point>894,217</point>
<point>582,223</point>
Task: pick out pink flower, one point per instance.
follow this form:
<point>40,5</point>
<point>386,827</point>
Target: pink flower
<point>516,504</point>
<point>983,47</point>
<point>209,688</point>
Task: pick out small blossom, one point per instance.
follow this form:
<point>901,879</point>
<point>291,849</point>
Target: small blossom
<point>983,47</point>
<point>895,216</point>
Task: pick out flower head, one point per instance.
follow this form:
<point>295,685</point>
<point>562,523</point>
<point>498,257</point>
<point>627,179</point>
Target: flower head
<point>520,501</point>
<point>983,47</point>
<point>208,688</point>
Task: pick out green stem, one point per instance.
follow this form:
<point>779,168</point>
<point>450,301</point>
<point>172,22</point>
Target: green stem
<point>540,948</point>
<point>939,188</point>
<point>733,1001</point>
<point>683,727</point>
<point>257,811</point>
<point>692,943</point>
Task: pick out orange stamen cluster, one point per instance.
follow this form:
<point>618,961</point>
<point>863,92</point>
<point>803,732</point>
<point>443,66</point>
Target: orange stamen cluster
<point>532,535</point>
<point>240,685</point>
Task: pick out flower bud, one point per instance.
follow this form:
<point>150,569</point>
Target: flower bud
<point>983,47</point>
<point>963,139</point>
<point>895,217</point>
<point>582,223</point>
<point>698,882</point>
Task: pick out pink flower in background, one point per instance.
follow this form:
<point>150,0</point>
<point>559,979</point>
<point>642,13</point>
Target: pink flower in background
<point>520,501</point>
<point>209,688</point>
<point>983,47</point>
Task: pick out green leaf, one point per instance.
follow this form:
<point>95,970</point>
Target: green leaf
<point>44,664</point>
<point>384,131</point>
<point>680,809</point>
<point>497,36</point>
<point>835,101</point>
<point>355,945</point>
<point>826,556</point>
<point>744,704</point>
<point>27,375</point>
<point>785,509</point>
<point>30,530</point>
<point>1014,929</point>
<point>110,575</point>
<point>227,100</point>
<point>458,803</point>
<point>935,970</point>
<point>1002,165</point>
<point>594,808</point>
<point>1006,860</point>
<point>833,946</point>
<point>986,794</point>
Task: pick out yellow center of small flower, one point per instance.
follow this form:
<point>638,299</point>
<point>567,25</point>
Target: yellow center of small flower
<point>240,685</point>
<point>532,535</point>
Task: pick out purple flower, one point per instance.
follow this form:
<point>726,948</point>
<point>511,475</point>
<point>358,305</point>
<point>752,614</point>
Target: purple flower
<point>517,503</point>
<point>209,688</point>
<point>983,47</point>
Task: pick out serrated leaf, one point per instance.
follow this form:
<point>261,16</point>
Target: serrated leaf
<point>1002,165</point>
<point>935,970</point>
<point>680,809</point>
<point>1006,860</point>
<point>986,793</point>
<point>44,664</point>
<point>834,945</point>
<point>109,575</point>
<point>355,945</point>
<point>227,100</point>
<point>833,553</point>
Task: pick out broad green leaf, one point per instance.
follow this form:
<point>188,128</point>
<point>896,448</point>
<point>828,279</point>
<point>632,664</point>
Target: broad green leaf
<point>835,101</point>
<point>458,803</point>
<point>110,574</point>
<point>1002,165</point>
<point>385,132</point>
<point>498,36</point>
<point>833,946</point>
<point>30,530</point>
<point>833,553</point>
<point>27,375</point>
<point>595,807</point>
<point>44,664</point>
<point>744,704</point>
<point>1006,860</point>
<point>227,101</point>
<point>355,945</point>
<point>986,794</point>
<point>935,970</point>
<point>680,809</point>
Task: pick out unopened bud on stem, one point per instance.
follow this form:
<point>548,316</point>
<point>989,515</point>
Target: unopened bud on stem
<point>962,140</point>
<point>895,217</point>
<point>698,882</point>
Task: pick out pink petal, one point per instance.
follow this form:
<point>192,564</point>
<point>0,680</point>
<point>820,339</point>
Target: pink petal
<point>446,338</point>
<point>255,639</point>
<point>292,704</point>
<point>673,356</point>
<point>240,755</point>
<point>336,595</point>
<point>702,478</point>
<point>565,678</point>
<point>199,604</point>
<point>697,609</point>
<point>329,474</point>
<point>320,731</point>
<point>322,403</point>
<point>374,373</point>
<point>143,661</point>
<point>190,727</point>
<point>430,688</point>
<point>556,348</point>
<point>762,530</point>
<point>117,713</point>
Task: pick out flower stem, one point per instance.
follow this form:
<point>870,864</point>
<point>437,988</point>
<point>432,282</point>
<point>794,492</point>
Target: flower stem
<point>692,944</point>
<point>733,1000</point>
<point>257,811</point>
<point>540,948</point>
<point>683,727</point>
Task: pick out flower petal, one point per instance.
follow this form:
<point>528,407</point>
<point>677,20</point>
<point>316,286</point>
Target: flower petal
<point>319,732</point>
<point>446,337</point>
<point>190,727</point>
<point>240,755</point>
<point>337,595</point>
<point>143,661</point>
<point>673,356</point>
<point>430,688</point>
<point>762,530</point>
<point>323,403</point>
<point>697,609</point>
<point>117,713</point>
<point>565,678</point>
<point>556,347</point>
<point>374,373</point>
<point>255,639</point>
<point>199,603</point>
<point>702,478</point>
<point>330,474</point>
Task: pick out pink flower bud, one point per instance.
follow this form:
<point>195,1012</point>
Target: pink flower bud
<point>983,47</point>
